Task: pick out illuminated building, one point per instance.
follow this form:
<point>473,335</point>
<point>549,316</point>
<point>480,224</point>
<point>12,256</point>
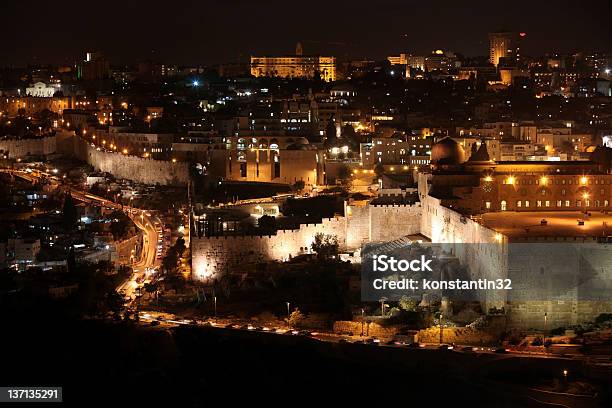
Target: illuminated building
<point>480,185</point>
<point>40,89</point>
<point>35,104</point>
<point>397,59</point>
<point>503,45</point>
<point>294,66</point>
<point>94,68</point>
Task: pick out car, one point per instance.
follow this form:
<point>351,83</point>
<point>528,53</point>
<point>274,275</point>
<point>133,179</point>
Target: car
<point>416,344</point>
<point>501,350</point>
<point>444,347</point>
<point>467,349</point>
<point>154,323</point>
<point>343,341</point>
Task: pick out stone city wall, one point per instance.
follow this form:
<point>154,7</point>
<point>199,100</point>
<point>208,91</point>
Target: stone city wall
<point>39,146</point>
<point>457,335</point>
<point>487,252</point>
<point>391,222</point>
<point>357,224</point>
<point>214,256</point>
<point>370,329</point>
<point>570,283</point>
<point>139,169</point>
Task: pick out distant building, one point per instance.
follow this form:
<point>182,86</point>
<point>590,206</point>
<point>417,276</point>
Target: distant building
<point>94,68</point>
<point>294,66</point>
<point>35,104</point>
<point>40,89</point>
<point>23,251</point>
<point>503,44</point>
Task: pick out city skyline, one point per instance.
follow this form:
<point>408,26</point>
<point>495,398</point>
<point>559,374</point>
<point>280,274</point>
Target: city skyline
<point>240,29</point>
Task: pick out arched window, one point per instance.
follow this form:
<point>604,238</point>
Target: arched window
<point>504,205</point>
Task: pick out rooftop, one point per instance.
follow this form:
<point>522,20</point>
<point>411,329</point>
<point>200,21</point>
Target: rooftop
<point>528,225</point>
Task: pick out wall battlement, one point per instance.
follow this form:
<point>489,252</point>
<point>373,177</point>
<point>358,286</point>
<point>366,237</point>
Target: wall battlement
<point>139,169</point>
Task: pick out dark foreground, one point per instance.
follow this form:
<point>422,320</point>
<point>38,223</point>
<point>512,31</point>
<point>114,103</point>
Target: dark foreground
<point>117,364</point>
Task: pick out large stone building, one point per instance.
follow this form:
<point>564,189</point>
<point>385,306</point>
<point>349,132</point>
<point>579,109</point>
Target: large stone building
<point>260,158</point>
<point>503,45</point>
<point>294,66</point>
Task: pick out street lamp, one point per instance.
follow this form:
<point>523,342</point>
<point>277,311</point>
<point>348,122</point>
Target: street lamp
<point>362,313</point>
<point>545,324</point>
<point>441,316</point>
<point>288,311</point>
<point>215,301</point>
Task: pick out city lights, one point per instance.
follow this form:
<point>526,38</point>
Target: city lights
<point>216,182</point>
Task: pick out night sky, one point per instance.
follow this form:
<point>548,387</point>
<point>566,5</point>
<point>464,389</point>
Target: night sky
<point>214,31</point>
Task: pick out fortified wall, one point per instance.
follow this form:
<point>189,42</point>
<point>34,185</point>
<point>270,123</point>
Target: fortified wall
<point>38,146</point>
<point>215,256</point>
<point>557,284</point>
<point>138,169</point>
<point>361,223</point>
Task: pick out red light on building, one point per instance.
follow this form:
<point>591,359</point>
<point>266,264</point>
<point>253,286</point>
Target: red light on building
<point>523,34</point>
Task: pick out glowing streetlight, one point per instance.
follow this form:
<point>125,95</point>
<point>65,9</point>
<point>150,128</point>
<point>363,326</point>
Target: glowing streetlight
<point>511,180</point>
<point>583,180</point>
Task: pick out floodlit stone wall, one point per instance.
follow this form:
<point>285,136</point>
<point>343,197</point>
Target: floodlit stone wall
<point>357,224</point>
<point>215,256</point>
<point>457,335</point>
<point>17,148</point>
<point>390,222</point>
<point>139,169</point>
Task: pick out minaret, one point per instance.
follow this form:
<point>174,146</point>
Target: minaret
<point>298,48</point>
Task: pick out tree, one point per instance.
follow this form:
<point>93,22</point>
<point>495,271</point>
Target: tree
<point>344,175</point>
<point>69,213</point>
<point>71,260</point>
<point>325,246</point>
<point>120,225</point>
<point>407,304</point>
<point>299,185</point>
<point>295,318</point>
<point>379,169</point>
<point>267,223</point>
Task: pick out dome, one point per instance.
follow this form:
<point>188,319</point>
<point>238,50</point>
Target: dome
<point>447,152</point>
